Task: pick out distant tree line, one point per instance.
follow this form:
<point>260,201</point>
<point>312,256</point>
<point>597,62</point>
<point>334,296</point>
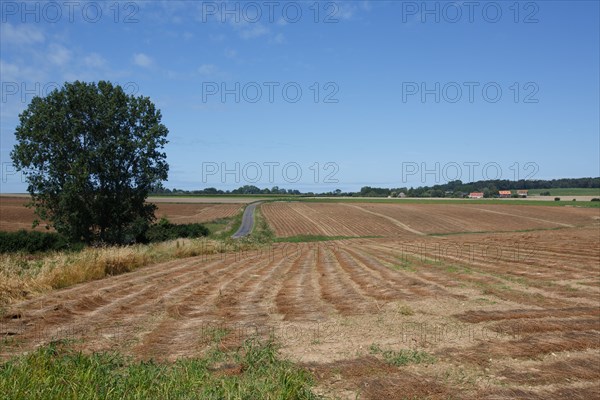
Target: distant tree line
<point>246,189</point>
<point>452,189</point>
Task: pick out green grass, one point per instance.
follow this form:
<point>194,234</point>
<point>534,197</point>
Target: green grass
<point>223,228</point>
<point>404,265</point>
<point>254,371</point>
<point>402,357</point>
<point>567,192</point>
<point>220,226</point>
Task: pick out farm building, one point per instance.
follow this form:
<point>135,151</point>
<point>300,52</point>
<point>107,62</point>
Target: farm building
<point>476,195</point>
<point>522,193</point>
<point>505,193</point>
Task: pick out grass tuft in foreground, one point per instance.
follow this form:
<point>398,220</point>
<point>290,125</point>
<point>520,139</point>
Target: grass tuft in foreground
<point>402,357</point>
<point>57,372</point>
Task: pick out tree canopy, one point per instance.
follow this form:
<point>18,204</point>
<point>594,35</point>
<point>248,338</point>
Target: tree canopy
<point>91,154</point>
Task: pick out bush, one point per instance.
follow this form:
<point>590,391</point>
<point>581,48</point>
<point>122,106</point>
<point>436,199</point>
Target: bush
<point>557,199</point>
<point>32,242</point>
<point>164,230</point>
<point>595,199</point>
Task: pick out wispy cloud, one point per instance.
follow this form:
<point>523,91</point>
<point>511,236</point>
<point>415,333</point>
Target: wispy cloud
<point>58,54</point>
<point>231,53</point>
<point>251,31</point>
<point>278,39</point>
<point>211,71</point>
<point>208,69</point>
<point>20,73</point>
<point>94,60</point>
<point>142,60</point>
<point>20,34</point>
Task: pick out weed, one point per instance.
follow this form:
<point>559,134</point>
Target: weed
<point>402,357</point>
<point>406,310</point>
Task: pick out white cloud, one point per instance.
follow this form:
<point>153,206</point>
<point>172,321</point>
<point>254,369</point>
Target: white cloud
<point>212,71</point>
<point>345,11</point>
<point>94,60</point>
<point>257,30</point>
<point>217,38</point>
<point>366,5</point>
<point>208,69</point>
<point>142,60</point>
<point>230,53</point>
<point>58,54</point>
<point>350,11</point>
<point>20,34</point>
<point>10,72</point>
<point>279,38</point>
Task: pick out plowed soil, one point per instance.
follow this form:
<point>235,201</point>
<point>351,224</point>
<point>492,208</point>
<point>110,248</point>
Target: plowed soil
<point>364,219</point>
<point>14,215</point>
<point>506,315</point>
<point>196,213</point>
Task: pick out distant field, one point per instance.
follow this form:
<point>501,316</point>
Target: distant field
<point>544,201</point>
<point>196,213</point>
<point>567,192</point>
<point>14,215</point>
<point>405,220</point>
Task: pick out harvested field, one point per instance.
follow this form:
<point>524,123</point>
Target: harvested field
<point>291,219</point>
<point>443,219</point>
<point>479,315</point>
<point>364,219</point>
<point>196,213</point>
<point>14,215</point>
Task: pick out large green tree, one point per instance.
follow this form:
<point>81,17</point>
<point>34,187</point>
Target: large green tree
<point>91,154</point>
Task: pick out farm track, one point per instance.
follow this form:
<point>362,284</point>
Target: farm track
<point>527,304</point>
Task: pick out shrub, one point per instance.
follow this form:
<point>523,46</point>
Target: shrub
<point>595,199</point>
<point>557,199</point>
<point>33,242</point>
<point>164,230</point>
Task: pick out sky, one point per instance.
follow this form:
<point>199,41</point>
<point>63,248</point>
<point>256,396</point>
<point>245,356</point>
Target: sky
<point>327,95</point>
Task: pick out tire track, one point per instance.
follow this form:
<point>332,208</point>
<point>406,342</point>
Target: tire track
<point>392,220</point>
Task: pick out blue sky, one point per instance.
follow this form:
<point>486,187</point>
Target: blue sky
<point>362,68</point>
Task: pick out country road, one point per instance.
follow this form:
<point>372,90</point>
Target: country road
<point>247,221</point>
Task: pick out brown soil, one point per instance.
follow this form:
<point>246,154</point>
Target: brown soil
<point>14,215</point>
